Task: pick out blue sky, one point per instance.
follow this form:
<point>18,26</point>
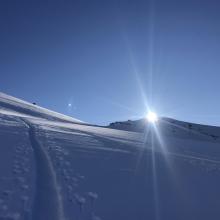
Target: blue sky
<point>111,59</point>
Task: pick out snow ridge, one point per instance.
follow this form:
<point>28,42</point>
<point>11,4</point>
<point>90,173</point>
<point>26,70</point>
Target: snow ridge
<point>48,200</point>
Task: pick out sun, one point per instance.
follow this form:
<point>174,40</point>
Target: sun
<point>152,117</point>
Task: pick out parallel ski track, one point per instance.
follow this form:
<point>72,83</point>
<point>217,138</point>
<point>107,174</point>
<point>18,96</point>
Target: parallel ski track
<point>47,204</point>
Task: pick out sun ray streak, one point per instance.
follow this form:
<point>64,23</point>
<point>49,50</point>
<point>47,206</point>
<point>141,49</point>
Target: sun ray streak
<point>154,176</point>
<point>143,148</point>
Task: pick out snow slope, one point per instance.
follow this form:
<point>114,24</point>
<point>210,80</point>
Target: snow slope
<point>53,167</point>
<point>14,106</point>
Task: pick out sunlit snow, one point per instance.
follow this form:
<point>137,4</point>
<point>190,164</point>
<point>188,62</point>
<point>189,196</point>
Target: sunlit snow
<point>54,167</point>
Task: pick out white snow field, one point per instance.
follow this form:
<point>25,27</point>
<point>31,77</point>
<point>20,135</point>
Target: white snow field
<point>54,167</point>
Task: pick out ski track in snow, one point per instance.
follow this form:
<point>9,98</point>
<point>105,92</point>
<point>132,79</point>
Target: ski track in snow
<point>47,204</point>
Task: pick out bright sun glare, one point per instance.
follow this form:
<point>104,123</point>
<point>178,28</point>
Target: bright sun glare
<point>152,117</point>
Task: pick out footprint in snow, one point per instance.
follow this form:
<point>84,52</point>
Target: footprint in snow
<point>67,163</point>
<point>80,176</point>
<point>80,201</point>
<point>25,202</point>
<point>65,153</point>
<point>92,196</point>
<point>94,217</point>
<point>24,187</point>
<point>20,179</point>
<point>7,193</point>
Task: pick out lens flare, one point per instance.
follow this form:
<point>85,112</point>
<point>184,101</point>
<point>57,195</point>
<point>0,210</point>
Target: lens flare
<point>152,117</point>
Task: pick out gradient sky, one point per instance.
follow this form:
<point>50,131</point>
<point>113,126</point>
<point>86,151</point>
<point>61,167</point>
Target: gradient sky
<point>111,59</point>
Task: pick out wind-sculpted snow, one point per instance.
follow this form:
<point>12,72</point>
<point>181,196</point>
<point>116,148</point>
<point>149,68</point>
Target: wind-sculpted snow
<point>55,169</point>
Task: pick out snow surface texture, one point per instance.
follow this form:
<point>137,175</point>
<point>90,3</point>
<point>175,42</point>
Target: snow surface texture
<point>54,167</point>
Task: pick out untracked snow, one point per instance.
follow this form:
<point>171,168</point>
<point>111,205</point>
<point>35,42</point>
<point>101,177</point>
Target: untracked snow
<point>54,167</point>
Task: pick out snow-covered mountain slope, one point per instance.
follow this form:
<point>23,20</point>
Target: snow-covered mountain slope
<point>166,124</point>
<point>53,167</point>
<point>13,106</point>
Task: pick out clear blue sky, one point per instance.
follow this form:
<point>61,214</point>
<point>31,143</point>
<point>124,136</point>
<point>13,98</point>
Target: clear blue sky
<point>110,59</point>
